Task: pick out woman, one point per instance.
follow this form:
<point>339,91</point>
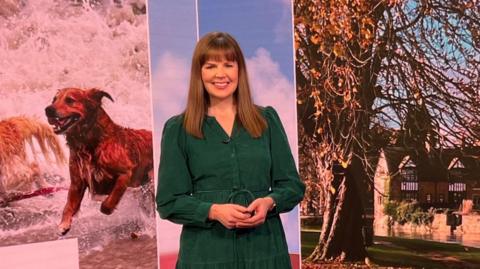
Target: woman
<point>226,170</point>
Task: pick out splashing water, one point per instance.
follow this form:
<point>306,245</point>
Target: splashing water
<point>47,45</point>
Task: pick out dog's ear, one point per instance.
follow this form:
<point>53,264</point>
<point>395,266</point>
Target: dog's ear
<point>97,95</point>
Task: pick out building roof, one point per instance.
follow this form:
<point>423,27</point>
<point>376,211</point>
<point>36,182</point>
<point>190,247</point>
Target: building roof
<point>436,164</point>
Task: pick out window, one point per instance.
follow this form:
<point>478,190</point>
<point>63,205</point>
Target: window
<point>457,191</point>
<point>457,187</point>
<point>409,174</point>
<point>409,184</point>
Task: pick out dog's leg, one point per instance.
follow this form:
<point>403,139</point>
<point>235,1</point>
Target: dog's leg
<point>75,196</point>
<point>3,194</point>
<point>74,199</point>
<point>2,188</point>
<point>109,204</point>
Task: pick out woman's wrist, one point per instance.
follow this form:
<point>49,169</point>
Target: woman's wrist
<point>271,203</point>
<point>212,213</point>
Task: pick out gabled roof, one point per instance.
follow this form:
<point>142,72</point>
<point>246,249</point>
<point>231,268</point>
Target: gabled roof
<point>456,163</point>
<point>435,165</point>
<point>407,162</point>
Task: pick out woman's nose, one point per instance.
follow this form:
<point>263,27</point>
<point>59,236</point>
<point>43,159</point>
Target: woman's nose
<point>220,73</point>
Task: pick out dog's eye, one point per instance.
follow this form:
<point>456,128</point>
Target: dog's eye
<point>69,100</point>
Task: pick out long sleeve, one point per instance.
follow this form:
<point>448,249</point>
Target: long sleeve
<point>287,189</point>
<point>174,200</point>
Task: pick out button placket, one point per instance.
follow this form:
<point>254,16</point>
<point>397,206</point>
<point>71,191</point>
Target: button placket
<point>236,177</point>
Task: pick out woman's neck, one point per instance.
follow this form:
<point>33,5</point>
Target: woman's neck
<point>222,108</point>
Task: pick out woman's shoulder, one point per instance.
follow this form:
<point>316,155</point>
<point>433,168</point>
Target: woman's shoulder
<point>269,113</point>
<point>174,123</point>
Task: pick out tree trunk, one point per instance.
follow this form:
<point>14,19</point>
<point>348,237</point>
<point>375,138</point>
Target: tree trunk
<point>341,236</point>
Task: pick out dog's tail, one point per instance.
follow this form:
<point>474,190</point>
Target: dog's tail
<point>30,128</point>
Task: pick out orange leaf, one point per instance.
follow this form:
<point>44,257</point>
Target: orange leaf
<point>339,50</point>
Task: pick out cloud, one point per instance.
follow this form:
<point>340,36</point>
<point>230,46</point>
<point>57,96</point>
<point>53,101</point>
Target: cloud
<point>170,83</point>
<point>271,88</point>
<point>169,88</point>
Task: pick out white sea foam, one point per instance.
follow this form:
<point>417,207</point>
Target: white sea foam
<point>49,45</point>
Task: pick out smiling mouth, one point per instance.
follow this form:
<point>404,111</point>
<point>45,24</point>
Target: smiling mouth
<point>221,85</point>
<point>61,125</point>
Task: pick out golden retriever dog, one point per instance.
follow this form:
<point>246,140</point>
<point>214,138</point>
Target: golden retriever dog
<point>105,157</point>
<point>17,172</point>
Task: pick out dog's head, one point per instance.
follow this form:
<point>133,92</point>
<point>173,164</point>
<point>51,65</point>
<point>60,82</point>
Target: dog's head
<point>71,107</point>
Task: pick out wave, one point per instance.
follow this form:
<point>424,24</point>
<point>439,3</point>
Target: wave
<point>47,45</point>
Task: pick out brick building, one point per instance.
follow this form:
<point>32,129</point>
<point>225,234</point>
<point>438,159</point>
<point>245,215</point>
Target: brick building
<point>440,178</point>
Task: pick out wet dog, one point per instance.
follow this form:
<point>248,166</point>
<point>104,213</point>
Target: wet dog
<point>105,157</point>
<point>18,173</point>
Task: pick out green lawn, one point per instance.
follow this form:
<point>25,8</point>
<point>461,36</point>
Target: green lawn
<point>401,252</point>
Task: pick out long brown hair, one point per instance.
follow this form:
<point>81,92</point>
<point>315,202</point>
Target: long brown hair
<point>216,45</point>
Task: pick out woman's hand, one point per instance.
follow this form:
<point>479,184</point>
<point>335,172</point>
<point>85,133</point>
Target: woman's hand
<point>259,208</point>
<point>228,214</point>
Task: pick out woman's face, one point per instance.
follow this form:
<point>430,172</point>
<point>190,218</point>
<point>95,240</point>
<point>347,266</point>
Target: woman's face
<point>220,79</point>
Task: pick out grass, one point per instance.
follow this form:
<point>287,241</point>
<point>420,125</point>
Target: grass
<point>309,240</point>
<point>401,252</point>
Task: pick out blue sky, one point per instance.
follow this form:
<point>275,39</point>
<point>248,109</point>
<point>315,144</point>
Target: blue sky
<point>172,27</point>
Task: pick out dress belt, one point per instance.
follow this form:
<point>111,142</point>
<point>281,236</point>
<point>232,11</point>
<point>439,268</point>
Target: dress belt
<point>235,193</point>
<point>249,197</point>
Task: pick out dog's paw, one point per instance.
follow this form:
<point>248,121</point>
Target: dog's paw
<point>63,229</point>
<point>105,209</point>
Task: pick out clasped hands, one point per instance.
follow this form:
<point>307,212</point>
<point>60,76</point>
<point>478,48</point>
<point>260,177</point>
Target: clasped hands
<point>237,216</point>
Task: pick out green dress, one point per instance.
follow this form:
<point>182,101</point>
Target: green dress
<point>194,173</point>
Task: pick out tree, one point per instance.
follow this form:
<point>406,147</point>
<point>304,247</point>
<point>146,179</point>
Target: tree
<point>370,70</point>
